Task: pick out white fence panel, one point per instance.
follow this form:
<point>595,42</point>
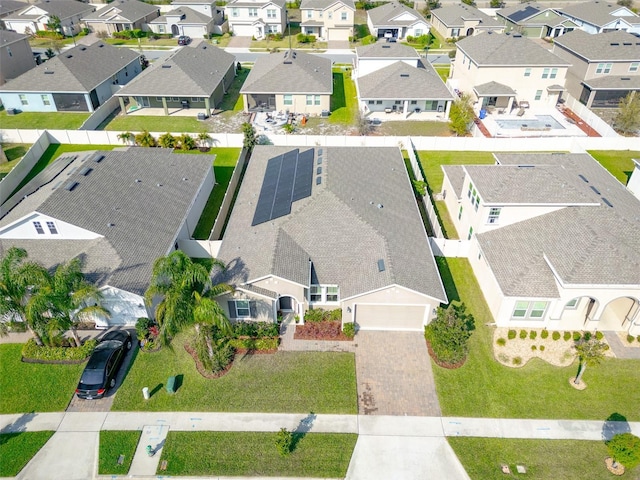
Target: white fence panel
<point>443,247</point>
<point>593,120</point>
<point>100,114</point>
<point>199,248</point>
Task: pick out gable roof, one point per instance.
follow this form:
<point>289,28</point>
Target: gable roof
<point>191,17</point>
<point>290,71</point>
<point>387,50</point>
<point>7,37</point>
<point>122,11</point>
<point>386,15</point>
<point>457,15</point>
<point>362,211</point>
<point>9,6</point>
<point>79,69</point>
<point>494,49</point>
<point>255,3</point>
<point>599,13</point>
<point>400,80</point>
<point>131,238</point>
<point>62,9</point>
<point>190,71</point>
<point>324,4</point>
<point>493,89</point>
<point>521,12</point>
<point>606,46</point>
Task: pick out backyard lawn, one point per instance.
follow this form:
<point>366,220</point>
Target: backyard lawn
<point>14,153</point>
<point>43,120</point>
<point>618,163</point>
<point>112,445</point>
<point>485,388</point>
<point>162,123</point>
<point>430,161</point>
<point>317,455</point>
<point>30,387</point>
<point>16,449</point>
<point>544,459</point>
<point>344,101</point>
<point>294,382</point>
<point>413,128</point>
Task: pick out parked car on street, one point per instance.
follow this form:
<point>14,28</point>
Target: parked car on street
<point>184,40</point>
<point>102,368</point>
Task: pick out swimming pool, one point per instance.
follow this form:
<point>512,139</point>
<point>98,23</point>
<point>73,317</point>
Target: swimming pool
<point>540,122</point>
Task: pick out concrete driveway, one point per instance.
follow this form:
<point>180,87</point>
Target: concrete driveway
<point>394,375</point>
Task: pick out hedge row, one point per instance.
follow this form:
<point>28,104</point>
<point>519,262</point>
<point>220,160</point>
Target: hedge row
<point>260,344</point>
<point>31,351</point>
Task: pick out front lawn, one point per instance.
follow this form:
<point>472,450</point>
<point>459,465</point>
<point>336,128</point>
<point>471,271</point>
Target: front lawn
<point>344,101</point>
<point>112,445</point>
<point>482,458</point>
<point>318,455</point>
<point>432,160</point>
<point>294,382</point>
<point>32,387</point>
<point>618,163</point>
<point>43,120</point>
<point>16,449</point>
<point>485,388</point>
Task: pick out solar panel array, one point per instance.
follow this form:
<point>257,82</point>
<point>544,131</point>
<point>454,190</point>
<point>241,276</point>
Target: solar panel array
<point>288,178</point>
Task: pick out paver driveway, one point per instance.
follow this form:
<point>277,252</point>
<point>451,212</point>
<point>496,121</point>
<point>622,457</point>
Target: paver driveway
<point>394,374</point>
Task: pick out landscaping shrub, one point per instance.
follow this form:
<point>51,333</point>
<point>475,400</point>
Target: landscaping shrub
<point>511,335</point>
<point>449,333</point>
<point>533,348</point>
<point>32,351</point>
<point>349,329</point>
<point>630,338</point>
<point>284,442</point>
<point>260,344</point>
<point>577,336</point>
<point>335,315</point>
<point>533,334</point>
<point>587,336</point>
<point>542,348</point>
<point>555,336</point>
<point>638,338</point>
<point>566,336</point>
<point>142,327</point>
<point>501,341</point>
<point>302,38</point>
<point>17,326</point>
<point>600,335</point>
<point>544,334</point>
<point>517,360</point>
<point>368,40</point>
<point>523,334</point>
<point>314,315</point>
<point>624,448</point>
<point>255,329</point>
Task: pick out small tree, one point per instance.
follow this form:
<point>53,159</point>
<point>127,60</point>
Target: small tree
<point>284,442</point>
<point>628,118</point>
<point>625,3</point>
<point>203,139</point>
<point>449,333</point>
<point>186,142</point>
<point>50,53</point>
<point>461,115</point>
<point>125,137</point>
<point>167,140</point>
<point>145,139</point>
<point>624,448</point>
<point>54,24</point>
<point>250,138</point>
<point>590,352</point>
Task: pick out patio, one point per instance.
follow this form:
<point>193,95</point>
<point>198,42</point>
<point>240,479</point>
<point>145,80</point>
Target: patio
<point>422,116</point>
<point>537,122</point>
<point>159,112</point>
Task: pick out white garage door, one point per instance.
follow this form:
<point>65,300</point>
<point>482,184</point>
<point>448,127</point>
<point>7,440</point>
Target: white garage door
<point>390,317</point>
<point>338,34</point>
<point>244,30</point>
<point>194,31</point>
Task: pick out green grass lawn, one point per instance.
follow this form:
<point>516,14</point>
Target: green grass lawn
<point>232,101</point>
<point>284,43</point>
<point>485,388</point>
<point>30,387</point>
<point>446,224</point>
<point>112,445</point>
<point>318,455</point>
<point>223,165</point>
<point>144,42</point>
<point>43,120</point>
<point>442,71</point>
<point>543,459</point>
<point>618,163</point>
<point>136,123</point>
<point>344,101</point>
<point>16,449</point>
<point>298,382</point>
<point>413,128</point>
<point>14,153</point>
<point>432,160</point>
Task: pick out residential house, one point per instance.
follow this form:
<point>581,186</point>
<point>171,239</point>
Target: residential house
<point>122,15</point>
<point>195,78</point>
<point>7,7</point>
<point>291,81</point>
<point>329,228</point>
<point>554,238</point>
<point>535,21</point>
<point>634,180</point>
<point>81,207</point>
<point>16,56</point>
<point>599,16</point>
<point>33,18</point>
<point>462,20</point>
<point>194,18</point>
<point>605,67</point>
<point>392,78</point>
<point>328,20</point>
<point>395,20</point>
<point>499,70</point>
<point>256,18</point>
<point>78,80</point>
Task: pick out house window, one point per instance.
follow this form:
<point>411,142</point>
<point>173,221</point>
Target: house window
<point>398,102</point>
<point>324,293</point>
<point>235,12</point>
<point>603,68</point>
<point>520,311</point>
<point>320,13</point>
<point>538,95</point>
<point>309,13</point>
<point>531,310</point>
<point>160,28</point>
<point>52,228</point>
<point>288,99</point>
<point>9,52</point>
<point>23,100</point>
<point>309,99</point>
<point>460,213</point>
<point>315,293</point>
<point>538,309</point>
<point>45,100</point>
<point>554,73</point>
<point>378,102</point>
<point>455,32</point>
<point>271,13</point>
<point>470,233</point>
<point>38,227</point>
<point>330,15</point>
<point>333,294</point>
<point>175,99</point>
<point>159,99</point>
<point>242,308</point>
<point>253,12</point>
<point>572,304</point>
<point>474,197</point>
<point>272,28</point>
<point>417,32</point>
<point>431,105</point>
<point>494,214</point>
<point>371,102</point>
<point>527,72</point>
<point>545,73</point>
<point>634,67</point>
<point>414,102</point>
<point>316,99</point>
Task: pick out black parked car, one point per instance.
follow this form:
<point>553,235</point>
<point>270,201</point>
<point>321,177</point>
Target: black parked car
<point>100,373</point>
<point>184,40</point>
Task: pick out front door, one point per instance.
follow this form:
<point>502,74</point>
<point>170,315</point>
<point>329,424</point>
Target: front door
<point>286,304</point>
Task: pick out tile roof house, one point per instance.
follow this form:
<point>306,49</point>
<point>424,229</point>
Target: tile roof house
<point>502,69</point>
<point>461,20</point>
<point>256,18</point>
<point>328,20</point>
<point>292,81</point>
<point>555,239</point>
<point>122,15</point>
<point>78,80</point>
<point>193,77</point>
<point>599,16</point>
<point>194,18</point>
<point>392,78</point>
<point>81,206</point>
<point>16,56</point>
<point>605,67</point>
<point>351,238</point>
<point>33,18</point>
<point>395,20</point>
<point>535,21</point>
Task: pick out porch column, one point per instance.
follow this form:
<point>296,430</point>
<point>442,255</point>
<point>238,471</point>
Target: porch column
<point>164,105</point>
<point>447,108</point>
<point>207,105</point>
<point>510,104</point>
<point>405,109</point>
<point>122,107</point>
<point>245,99</point>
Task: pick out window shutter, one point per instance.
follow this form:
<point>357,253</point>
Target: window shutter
<point>253,310</point>
<point>232,309</point>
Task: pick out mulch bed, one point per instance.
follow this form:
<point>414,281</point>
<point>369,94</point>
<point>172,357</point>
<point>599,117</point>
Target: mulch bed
<point>201,370</point>
<point>440,363</point>
<point>321,331</point>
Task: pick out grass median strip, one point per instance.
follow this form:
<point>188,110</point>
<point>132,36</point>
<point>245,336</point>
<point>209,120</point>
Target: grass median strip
<point>16,449</point>
<point>114,444</point>
<point>318,455</point>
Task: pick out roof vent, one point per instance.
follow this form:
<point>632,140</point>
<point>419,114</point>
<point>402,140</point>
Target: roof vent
<point>517,35</point>
<point>318,180</point>
<point>99,158</point>
<point>86,171</point>
<point>379,205</point>
<point>595,189</point>
<point>584,179</point>
<point>69,56</point>
<point>83,48</point>
<point>607,202</point>
<point>614,44</point>
<point>381,267</point>
<point>166,66</point>
<point>404,75</point>
<point>184,179</point>
<point>70,186</point>
<point>386,46</point>
<point>101,45</point>
<point>111,224</point>
<point>48,72</point>
<point>625,78</point>
<point>158,184</point>
<point>138,180</point>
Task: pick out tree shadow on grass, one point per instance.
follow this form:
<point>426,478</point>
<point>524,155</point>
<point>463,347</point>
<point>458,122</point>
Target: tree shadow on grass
<point>447,279</point>
<point>615,424</point>
<point>302,429</point>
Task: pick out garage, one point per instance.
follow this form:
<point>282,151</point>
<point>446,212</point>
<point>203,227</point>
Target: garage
<point>244,30</point>
<point>338,34</point>
<point>390,317</point>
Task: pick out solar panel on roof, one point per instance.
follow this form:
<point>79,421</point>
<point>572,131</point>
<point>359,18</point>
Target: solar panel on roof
<point>304,176</point>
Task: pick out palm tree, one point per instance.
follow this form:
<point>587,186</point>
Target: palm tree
<point>145,139</point>
<point>186,296</point>
<point>186,142</point>
<point>125,137</point>
<point>19,281</point>
<point>590,353</point>
<point>203,139</point>
<point>166,140</point>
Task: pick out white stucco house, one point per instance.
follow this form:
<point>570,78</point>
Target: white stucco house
<point>35,17</point>
<point>598,16</point>
<point>395,20</point>
<point>554,238</point>
<point>81,206</point>
<point>194,18</point>
<point>256,18</point>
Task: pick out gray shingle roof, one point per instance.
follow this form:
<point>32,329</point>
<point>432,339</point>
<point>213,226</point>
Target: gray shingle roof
<point>456,15</point>
<point>255,3</point>
<point>387,50</point>
<point>494,88</point>
<point>504,50</point>
<point>145,217</point>
<point>9,6</point>
<point>192,2</point>
<point>598,12</point>
<point>191,17</point>
<point>7,37</point>
<point>62,9</point>
<point>456,175</point>
<point>79,69</point>
<point>324,4</point>
<point>190,71</point>
<point>289,72</point>
<point>339,227</point>
<point>611,82</point>
<point>384,15</point>
<point>129,10</point>
<point>402,81</point>
<point>608,46</point>
<point>584,244</point>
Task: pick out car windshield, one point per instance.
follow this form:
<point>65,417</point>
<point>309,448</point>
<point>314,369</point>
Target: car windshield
<point>91,377</point>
